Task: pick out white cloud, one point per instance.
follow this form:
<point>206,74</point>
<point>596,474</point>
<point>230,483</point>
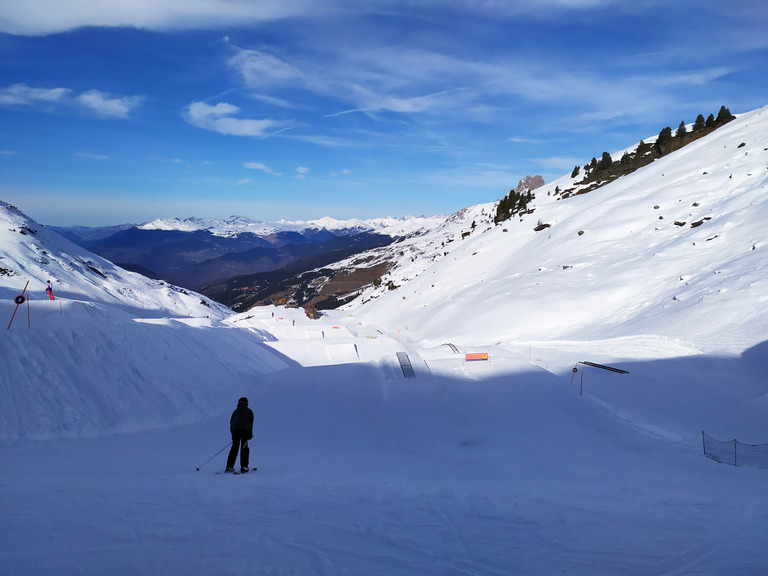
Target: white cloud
<point>92,156</point>
<point>99,103</point>
<point>262,167</point>
<point>372,102</point>
<point>39,17</point>
<point>301,172</point>
<point>106,106</point>
<point>273,100</point>
<point>387,79</point>
<point>23,95</point>
<point>220,118</point>
<point>524,140</point>
<point>692,78</point>
<point>260,69</point>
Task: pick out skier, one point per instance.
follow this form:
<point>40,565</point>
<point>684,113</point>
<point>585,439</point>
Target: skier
<point>241,427</point>
<point>49,289</point>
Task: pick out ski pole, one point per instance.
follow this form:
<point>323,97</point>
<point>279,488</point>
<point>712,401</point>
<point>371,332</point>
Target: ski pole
<point>212,457</point>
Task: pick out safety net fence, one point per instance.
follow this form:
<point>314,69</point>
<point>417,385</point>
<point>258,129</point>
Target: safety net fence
<point>735,453</point>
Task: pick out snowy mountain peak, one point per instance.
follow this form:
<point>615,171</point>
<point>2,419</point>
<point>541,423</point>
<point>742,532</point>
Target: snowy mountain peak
<point>240,224</point>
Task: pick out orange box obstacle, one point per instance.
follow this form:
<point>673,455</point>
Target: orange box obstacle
<point>476,356</point>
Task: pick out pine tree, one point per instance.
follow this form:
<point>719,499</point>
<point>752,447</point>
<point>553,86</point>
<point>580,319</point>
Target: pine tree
<point>665,135</point>
<point>502,210</point>
<point>700,124</point>
<point>724,115</point>
<point>605,161</point>
<point>642,149</point>
<point>681,131</point>
<point>513,203</point>
<point>710,121</point>
<point>575,171</point>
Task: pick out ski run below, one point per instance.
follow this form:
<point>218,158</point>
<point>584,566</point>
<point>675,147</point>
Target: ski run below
<point>514,465</point>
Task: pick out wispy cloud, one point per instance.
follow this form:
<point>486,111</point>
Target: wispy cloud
<point>222,118</point>
<point>107,106</point>
<point>382,80</point>
<point>90,156</point>
<point>23,95</point>
<point>101,104</point>
<point>38,17</point>
<point>274,100</point>
<point>262,70</point>
<point>301,172</point>
<point>557,163</point>
<point>524,140</point>
<point>691,77</point>
<point>262,167</point>
<point>370,101</point>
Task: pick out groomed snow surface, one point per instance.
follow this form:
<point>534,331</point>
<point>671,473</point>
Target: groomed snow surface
<point>113,394</point>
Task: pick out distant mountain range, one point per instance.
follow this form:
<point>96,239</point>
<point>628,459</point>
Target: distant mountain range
<point>235,225</point>
<point>206,254</point>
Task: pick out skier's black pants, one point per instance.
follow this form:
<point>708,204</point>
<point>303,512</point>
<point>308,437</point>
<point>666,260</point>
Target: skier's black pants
<point>239,441</point>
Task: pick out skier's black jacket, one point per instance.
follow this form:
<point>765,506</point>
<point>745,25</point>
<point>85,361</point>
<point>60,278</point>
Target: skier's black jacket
<point>242,419</point>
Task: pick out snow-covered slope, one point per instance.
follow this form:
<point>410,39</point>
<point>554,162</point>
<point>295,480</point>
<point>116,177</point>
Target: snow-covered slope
<point>676,250</point>
<point>114,351</point>
<point>31,252</point>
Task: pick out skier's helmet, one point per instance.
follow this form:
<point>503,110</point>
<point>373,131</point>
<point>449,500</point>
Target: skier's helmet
<point>243,401</point>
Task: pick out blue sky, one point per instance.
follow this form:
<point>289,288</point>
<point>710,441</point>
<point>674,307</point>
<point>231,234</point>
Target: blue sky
<point>297,109</point>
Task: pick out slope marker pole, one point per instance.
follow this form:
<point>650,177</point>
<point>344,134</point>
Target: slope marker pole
<point>19,300</point>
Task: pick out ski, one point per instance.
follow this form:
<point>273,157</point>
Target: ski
<point>236,473</point>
